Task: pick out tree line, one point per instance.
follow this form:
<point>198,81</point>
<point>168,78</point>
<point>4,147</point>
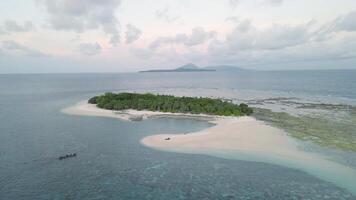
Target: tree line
<point>168,103</point>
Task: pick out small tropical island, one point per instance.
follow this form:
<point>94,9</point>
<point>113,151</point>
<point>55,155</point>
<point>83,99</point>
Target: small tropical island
<point>169,103</point>
<point>232,131</point>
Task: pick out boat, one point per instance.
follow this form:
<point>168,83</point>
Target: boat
<point>67,156</point>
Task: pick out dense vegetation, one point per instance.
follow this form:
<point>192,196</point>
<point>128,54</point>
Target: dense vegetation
<point>167,103</point>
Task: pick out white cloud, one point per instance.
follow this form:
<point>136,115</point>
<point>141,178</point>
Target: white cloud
<point>12,26</point>
<point>166,15</point>
<point>235,3</point>
<point>13,46</point>
<point>247,37</point>
<point>281,45</point>
<point>198,36</point>
<point>2,31</point>
<point>233,19</point>
<point>132,33</point>
<point>275,2</point>
<point>346,22</point>
<point>90,49</point>
<point>82,15</point>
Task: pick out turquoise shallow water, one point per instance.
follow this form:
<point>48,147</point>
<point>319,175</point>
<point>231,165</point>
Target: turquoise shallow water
<point>111,163</point>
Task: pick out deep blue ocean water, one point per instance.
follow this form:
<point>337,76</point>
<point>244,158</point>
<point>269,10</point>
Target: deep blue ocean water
<point>112,164</point>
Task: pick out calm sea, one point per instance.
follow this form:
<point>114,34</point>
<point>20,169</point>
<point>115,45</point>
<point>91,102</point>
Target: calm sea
<point>111,163</point>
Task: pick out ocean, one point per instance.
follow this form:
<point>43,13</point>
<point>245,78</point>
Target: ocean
<point>112,164</point>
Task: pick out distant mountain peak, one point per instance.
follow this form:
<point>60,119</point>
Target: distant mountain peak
<point>188,66</point>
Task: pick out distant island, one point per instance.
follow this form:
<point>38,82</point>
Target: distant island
<point>168,103</point>
<point>190,67</point>
<point>185,68</point>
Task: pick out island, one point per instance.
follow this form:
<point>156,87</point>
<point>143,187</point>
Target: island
<point>169,103</point>
<point>233,134</point>
<point>185,68</point>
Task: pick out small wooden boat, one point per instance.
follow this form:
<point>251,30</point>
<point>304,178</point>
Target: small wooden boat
<point>67,156</point>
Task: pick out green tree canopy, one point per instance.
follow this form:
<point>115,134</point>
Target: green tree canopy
<point>168,103</point>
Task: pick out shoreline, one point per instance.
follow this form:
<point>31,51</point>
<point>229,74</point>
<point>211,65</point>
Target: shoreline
<point>83,108</point>
<point>242,138</point>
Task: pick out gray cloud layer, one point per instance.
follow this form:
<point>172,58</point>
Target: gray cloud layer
<point>90,49</point>
<point>275,2</point>
<point>11,26</point>
<point>198,36</point>
<point>21,49</point>
<point>345,23</point>
<point>82,15</point>
<point>234,3</point>
<point>132,33</point>
<point>277,44</point>
<point>247,37</point>
<point>166,15</point>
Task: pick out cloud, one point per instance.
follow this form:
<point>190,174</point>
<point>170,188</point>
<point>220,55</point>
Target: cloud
<point>198,36</point>
<point>2,31</point>
<point>90,49</point>
<point>345,23</point>
<point>282,36</point>
<point>274,46</point>
<point>246,37</point>
<point>18,48</point>
<point>313,52</point>
<point>235,3</point>
<point>13,26</point>
<point>166,15</point>
<point>142,53</point>
<point>275,2</point>
<point>233,19</point>
<point>82,15</point>
<point>132,33</point>
<point>284,45</point>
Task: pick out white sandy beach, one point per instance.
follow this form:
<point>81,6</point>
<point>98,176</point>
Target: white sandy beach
<point>230,133</point>
<point>85,109</point>
<point>243,138</point>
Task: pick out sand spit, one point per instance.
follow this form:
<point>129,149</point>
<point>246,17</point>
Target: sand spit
<point>246,138</point>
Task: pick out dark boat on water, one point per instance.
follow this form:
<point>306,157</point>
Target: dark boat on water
<point>67,156</point>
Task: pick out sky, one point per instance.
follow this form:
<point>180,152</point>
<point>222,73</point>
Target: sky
<point>70,36</point>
